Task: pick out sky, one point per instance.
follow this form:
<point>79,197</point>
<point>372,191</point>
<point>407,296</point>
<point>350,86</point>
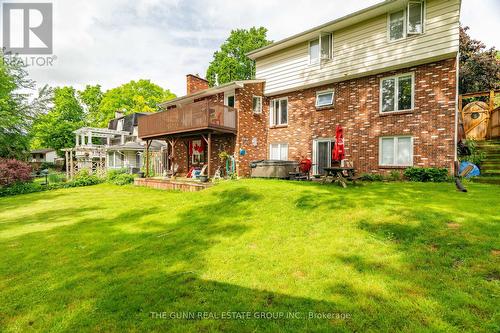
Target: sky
<point>110,42</point>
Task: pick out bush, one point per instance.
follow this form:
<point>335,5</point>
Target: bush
<point>84,178</point>
<point>113,173</point>
<point>56,178</point>
<point>476,156</point>
<point>47,165</point>
<point>372,177</point>
<point>426,174</point>
<point>14,171</point>
<point>395,175</point>
<point>123,179</point>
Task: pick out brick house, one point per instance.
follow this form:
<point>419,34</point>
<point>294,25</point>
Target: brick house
<point>387,74</point>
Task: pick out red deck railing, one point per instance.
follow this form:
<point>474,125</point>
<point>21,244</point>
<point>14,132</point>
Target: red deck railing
<point>191,117</point>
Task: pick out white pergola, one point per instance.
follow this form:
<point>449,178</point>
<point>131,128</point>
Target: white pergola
<point>87,133</point>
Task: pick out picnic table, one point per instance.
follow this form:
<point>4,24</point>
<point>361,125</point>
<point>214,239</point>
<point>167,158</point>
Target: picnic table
<point>339,175</point>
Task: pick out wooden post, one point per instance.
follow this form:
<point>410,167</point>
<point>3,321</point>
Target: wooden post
<point>71,169</point>
<point>66,163</point>
<point>209,143</point>
<point>148,142</point>
<point>492,106</point>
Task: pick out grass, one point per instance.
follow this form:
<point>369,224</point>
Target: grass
<point>378,257</point>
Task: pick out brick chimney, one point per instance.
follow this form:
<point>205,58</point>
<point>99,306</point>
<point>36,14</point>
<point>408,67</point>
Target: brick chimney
<point>195,83</point>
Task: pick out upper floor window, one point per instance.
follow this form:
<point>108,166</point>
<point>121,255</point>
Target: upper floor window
<point>324,98</point>
<point>409,21</point>
<point>279,112</point>
<point>119,125</point>
<point>257,104</point>
<point>396,93</point>
<point>321,48</point>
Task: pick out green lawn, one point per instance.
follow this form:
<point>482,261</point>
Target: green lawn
<point>380,256</point>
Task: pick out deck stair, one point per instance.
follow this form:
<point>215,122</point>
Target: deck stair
<point>490,168</point>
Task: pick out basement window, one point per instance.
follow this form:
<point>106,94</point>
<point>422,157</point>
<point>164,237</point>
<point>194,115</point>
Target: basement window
<point>396,151</point>
<point>324,98</point>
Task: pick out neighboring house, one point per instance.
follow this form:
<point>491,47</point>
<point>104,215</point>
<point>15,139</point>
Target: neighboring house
<point>115,147</point>
<point>387,74</point>
<point>43,155</point>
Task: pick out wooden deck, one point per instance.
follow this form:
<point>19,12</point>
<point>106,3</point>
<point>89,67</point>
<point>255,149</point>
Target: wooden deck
<point>184,185</point>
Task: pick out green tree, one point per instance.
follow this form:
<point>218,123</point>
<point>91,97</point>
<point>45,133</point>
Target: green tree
<point>135,96</point>
<point>230,63</point>
<point>55,128</point>
<point>479,67</point>
<point>91,98</point>
<point>16,114</point>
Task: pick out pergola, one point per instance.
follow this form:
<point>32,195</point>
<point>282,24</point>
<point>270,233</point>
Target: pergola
<point>87,133</point>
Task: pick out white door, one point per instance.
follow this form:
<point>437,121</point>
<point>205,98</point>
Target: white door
<point>322,155</point>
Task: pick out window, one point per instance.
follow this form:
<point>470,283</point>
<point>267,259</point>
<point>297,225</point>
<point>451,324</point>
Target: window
<point>119,125</point>
<point>396,93</point>
<point>324,98</point>
<point>229,99</point>
<point>314,51</point>
<point>396,151</point>
<point>409,21</point>
<point>415,17</point>
<point>278,151</point>
<point>279,112</point>
<point>321,48</point>
<point>397,25</point>
<point>257,104</point>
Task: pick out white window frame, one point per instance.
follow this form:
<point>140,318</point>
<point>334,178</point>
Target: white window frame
<point>406,14</point>
<point>324,92</point>
<point>396,92</point>
<point>395,145</point>
<point>272,121</point>
<point>226,98</point>
<point>259,111</point>
<point>331,142</point>
<point>330,51</point>
<point>280,146</point>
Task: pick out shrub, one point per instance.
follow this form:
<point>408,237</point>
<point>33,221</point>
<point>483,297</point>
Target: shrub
<point>395,175</point>
<point>113,173</point>
<point>56,178</point>
<point>426,174</point>
<point>14,171</point>
<point>84,178</point>
<point>21,188</point>
<point>476,156</point>
<point>47,165</point>
<point>123,179</point>
<point>372,177</point>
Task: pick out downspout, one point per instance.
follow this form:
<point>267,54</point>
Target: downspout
<point>457,78</point>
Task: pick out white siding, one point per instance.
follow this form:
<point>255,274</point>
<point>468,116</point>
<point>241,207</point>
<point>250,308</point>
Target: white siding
<point>364,49</point>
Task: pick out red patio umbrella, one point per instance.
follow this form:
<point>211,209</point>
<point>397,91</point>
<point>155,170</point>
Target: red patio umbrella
<point>338,150</point>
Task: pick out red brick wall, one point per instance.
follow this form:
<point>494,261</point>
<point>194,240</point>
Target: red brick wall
<point>195,84</point>
<point>356,108</point>
<point>252,128</point>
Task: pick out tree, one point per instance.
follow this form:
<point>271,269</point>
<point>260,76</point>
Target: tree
<point>230,63</point>
<point>91,98</point>
<point>16,115</point>
<point>55,128</point>
<point>135,96</point>
<point>479,67</point>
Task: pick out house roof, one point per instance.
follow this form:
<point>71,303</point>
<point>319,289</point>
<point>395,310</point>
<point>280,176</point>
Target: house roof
<point>210,91</point>
<point>42,151</point>
<point>345,21</point>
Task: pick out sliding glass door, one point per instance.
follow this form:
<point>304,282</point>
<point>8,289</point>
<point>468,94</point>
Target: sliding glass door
<point>322,155</point>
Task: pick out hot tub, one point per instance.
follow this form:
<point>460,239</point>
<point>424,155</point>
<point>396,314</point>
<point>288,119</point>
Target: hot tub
<point>273,169</point>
